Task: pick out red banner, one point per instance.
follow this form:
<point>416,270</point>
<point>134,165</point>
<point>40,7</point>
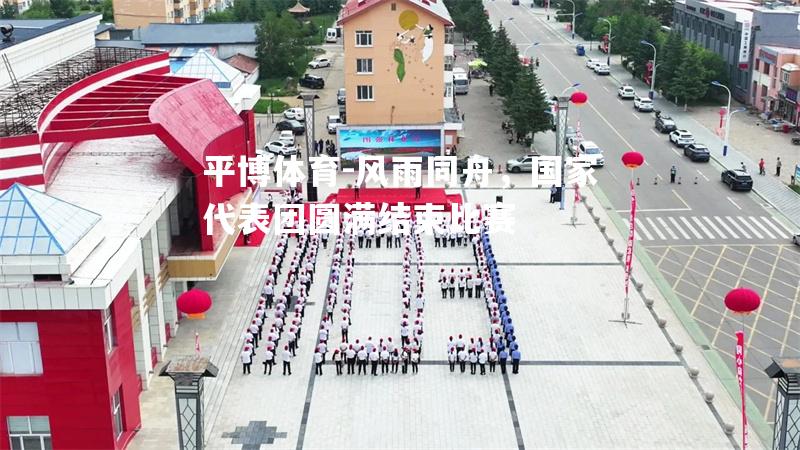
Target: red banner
<point>629,250</point>
<point>197,343</point>
<point>577,198</point>
<point>740,378</point>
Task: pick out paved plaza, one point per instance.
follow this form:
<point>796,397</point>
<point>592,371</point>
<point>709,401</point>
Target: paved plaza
<point>585,380</point>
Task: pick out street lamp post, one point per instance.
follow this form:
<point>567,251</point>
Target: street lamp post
<point>608,59</point>
<point>727,117</point>
<point>308,110</point>
<point>562,116</point>
<point>653,77</point>
<point>573,18</point>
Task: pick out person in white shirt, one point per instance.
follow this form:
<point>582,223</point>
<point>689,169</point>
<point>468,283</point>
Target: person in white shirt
<point>482,358</point>
<point>318,363</point>
<point>345,325</point>
<point>384,360</point>
<point>350,358</point>
<point>404,331</point>
<point>492,359</point>
<point>292,340</point>
<point>419,303</point>
<point>269,360</point>
<point>415,362</point>
<point>247,359</point>
<point>369,345</point>
<point>337,361</point>
<point>395,356</point>
<point>362,360</point>
<point>287,360</point>
<point>462,284</point>
<point>473,361</point>
<point>462,360</point>
<point>470,286</point>
<point>451,358</point>
<point>451,286</point>
<point>374,357</point>
<point>269,294</point>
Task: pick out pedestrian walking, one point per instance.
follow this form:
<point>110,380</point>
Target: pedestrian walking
<point>778,165</point>
<point>287,360</point>
<point>318,363</point>
<point>761,168</point>
<point>269,360</point>
<point>672,172</point>
<point>417,192</point>
<point>337,360</point>
<point>553,191</point>
<point>247,359</point>
<point>491,90</point>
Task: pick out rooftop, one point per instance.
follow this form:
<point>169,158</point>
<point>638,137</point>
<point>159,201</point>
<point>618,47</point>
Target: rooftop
<point>435,7</point>
<point>199,34</point>
<point>244,63</point>
<point>205,65</point>
<point>25,30</point>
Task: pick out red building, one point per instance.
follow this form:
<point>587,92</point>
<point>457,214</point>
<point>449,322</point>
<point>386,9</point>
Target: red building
<point>102,203</point>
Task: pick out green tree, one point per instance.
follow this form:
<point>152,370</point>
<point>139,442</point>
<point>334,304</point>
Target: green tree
<point>39,9</point>
<point>63,9</point>
<point>672,53</point>
<point>526,105</point>
<point>504,63</point>
<point>8,10</point>
<point>106,8</point>
<point>648,31</point>
<point>715,67</point>
<point>279,43</point>
<point>689,83</point>
<point>224,16</point>
<point>662,11</point>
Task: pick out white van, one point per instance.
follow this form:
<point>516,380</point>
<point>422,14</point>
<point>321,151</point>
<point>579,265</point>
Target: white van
<point>330,35</point>
<point>460,81</point>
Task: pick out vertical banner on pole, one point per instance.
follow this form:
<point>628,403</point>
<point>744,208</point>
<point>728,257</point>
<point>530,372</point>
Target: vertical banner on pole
<point>740,378</point>
<point>629,250</point>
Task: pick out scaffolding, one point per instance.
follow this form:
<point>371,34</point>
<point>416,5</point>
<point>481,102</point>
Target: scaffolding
<point>22,102</point>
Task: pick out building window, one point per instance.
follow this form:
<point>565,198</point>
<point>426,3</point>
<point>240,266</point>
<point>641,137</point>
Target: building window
<point>448,35</point>
<point>448,89</point>
<point>116,412</point>
<point>108,330</point>
<point>29,433</point>
<point>364,65</point>
<point>363,38</point>
<point>765,68</point>
<point>448,63</point>
<point>20,353</point>
<point>364,93</point>
<point>763,90</point>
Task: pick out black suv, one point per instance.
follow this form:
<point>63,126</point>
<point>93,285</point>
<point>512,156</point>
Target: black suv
<point>664,123</point>
<point>737,180</point>
<point>463,163</point>
<point>697,152</point>
<point>312,81</point>
<point>296,127</point>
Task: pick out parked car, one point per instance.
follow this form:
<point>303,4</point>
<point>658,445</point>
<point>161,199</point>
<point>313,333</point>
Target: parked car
<point>319,63</point>
<point>341,96</point>
<point>697,152</point>
<point>312,81</point>
<point>296,127</point>
<point>286,136</point>
<point>590,148</point>
<point>590,63</point>
<point>570,134</point>
<point>737,180</point>
<point>643,104</point>
<point>463,163</point>
<point>281,148</point>
<point>626,92</point>
<point>295,114</point>
<point>334,122</point>
<point>665,124</point>
<point>681,138</point>
<point>796,239</point>
<point>521,164</point>
<point>602,69</point>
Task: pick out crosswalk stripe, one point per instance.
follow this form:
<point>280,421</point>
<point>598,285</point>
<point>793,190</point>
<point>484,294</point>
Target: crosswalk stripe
<point>778,231</point>
<point>702,227</point>
<point>655,228</point>
<point>727,228</point>
<point>783,227</point>
<point>667,228</point>
<point>635,234</point>
<point>750,227</point>
<point>678,227</point>
<point>714,227</point>
<point>758,224</point>
<point>643,230</point>
<point>738,228</point>
<point>691,228</point>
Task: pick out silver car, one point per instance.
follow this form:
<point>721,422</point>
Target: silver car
<point>521,164</point>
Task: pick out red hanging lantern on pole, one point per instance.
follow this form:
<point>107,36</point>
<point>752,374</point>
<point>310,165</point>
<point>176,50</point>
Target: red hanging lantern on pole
<point>742,302</point>
<point>194,303</point>
<point>578,98</point>
<point>632,160</point>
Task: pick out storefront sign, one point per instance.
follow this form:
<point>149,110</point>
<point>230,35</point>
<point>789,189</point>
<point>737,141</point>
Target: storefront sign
<point>791,95</point>
<point>767,56</point>
<point>744,45</point>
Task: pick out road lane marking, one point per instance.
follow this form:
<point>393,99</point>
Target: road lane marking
<point>780,224</point>
<point>627,211</point>
<point>643,230</point>
<point>772,225</point>
<point>738,228</point>
<point>714,227</point>
<point>612,175</point>
<point>691,228</point>
<point>678,227</point>
<point>637,116</point>
<point>655,228</point>
<point>702,227</point>
<point>734,203</point>
<point>635,235</point>
<point>605,88</point>
<point>676,151</point>
<point>655,132</point>
<point>727,228</point>
<point>682,200</point>
<point>750,227</point>
<point>763,228</point>
<point>646,163</point>
<point>701,174</point>
<point>667,228</point>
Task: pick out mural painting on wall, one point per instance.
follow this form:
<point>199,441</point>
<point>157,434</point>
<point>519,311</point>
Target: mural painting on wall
<point>407,41</point>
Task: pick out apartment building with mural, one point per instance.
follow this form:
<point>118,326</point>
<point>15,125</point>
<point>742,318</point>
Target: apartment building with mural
<point>398,62</point>
<point>102,204</point>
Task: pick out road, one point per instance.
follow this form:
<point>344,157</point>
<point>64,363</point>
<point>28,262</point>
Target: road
<point>704,239</point>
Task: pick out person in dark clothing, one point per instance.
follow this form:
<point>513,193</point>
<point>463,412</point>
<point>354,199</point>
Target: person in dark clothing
<point>491,90</point>
<point>672,172</point>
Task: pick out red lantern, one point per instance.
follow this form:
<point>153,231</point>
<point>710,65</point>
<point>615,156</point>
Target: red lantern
<point>632,160</point>
<point>742,301</point>
<point>194,303</point>
<point>578,98</point>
